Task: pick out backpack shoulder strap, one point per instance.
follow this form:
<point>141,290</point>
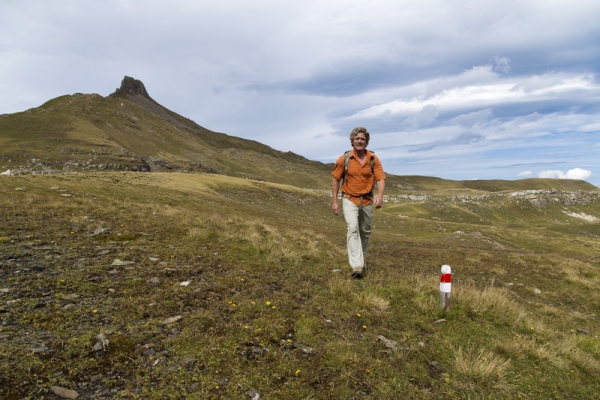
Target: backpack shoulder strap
<point>346,161</point>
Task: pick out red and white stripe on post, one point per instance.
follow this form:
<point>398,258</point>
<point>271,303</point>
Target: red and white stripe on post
<point>445,286</point>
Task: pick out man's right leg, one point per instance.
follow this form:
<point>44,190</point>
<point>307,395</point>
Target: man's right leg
<point>354,245</point>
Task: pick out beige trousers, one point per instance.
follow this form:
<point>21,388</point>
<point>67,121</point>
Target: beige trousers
<point>359,222</point>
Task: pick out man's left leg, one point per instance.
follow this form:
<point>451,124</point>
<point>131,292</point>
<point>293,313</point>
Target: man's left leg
<point>365,223</point>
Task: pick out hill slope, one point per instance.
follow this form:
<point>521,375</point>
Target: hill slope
<point>126,130</point>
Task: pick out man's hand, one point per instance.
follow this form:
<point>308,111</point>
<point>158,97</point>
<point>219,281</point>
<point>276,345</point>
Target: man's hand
<point>335,187</point>
<point>378,202</point>
<point>335,207</point>
<point>380,189</point>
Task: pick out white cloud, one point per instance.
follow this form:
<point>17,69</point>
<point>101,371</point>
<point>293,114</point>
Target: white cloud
<point>575,173</point>
<point>488,90</point>
<point>525,173</point>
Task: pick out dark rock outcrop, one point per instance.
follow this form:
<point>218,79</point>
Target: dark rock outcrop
<point>133,86</point>
<point>143,167</point>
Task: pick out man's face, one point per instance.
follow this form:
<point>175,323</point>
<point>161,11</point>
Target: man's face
<point>359,142</point>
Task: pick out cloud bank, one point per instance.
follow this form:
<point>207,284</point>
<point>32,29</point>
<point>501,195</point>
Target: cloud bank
<point>575,173</point>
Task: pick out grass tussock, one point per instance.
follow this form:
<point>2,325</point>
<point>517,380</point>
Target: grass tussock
<point>488,298</point>
<point>339,286</point>
<point>371,301</point>
<point>481,371</point>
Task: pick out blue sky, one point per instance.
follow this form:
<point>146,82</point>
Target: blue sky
<point>450,88</point>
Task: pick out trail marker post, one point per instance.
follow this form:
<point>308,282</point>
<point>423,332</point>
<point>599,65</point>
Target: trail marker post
<point>445,286</point>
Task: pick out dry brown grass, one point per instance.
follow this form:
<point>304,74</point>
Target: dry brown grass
<point>580,272</point>
<point>482,371</point>
<point>339,285</point>
<point>488,298</point>
<point>371,302</point>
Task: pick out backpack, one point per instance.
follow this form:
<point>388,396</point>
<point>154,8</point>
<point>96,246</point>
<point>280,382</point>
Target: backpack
<point>347,160</point>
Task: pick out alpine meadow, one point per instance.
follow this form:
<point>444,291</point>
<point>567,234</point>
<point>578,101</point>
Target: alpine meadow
<point>144,256</point>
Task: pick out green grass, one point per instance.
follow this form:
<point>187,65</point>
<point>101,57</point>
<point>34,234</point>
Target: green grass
<point>266,307</point>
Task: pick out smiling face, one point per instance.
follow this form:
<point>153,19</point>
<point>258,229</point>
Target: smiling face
<point>363,132</point>
<point>359,142</point>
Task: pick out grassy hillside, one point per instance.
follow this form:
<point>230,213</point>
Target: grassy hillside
<point>130,285</point>
<point>403,184</point>
<point>94,133</point>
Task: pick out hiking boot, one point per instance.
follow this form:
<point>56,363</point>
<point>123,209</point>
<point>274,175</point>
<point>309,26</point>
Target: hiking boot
<point>357,272</point>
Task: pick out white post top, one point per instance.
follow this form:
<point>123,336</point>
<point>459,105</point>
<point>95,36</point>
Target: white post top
<point>446,269</point>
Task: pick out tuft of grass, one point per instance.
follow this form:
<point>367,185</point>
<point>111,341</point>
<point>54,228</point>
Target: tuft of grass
<point>372,302</point>
<point>490,298</point>
<point>481,371</point>
<point>339,286</point>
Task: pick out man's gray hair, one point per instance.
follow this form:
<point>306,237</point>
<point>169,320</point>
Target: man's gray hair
<point>358,130</point>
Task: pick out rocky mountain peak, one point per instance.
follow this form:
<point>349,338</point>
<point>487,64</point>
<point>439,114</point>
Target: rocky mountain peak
<point>133,86</point>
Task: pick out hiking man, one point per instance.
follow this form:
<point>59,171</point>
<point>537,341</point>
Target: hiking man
<point>359,169</point>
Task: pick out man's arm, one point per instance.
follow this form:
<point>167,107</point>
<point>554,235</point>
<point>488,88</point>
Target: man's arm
<point>380,189</point>
<point>335,187</point>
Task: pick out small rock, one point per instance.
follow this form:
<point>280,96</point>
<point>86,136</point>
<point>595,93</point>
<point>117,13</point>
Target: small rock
<point>64,393</point>
<point>113,272</point>
<point>154,281</point>
<point>188,363</point>
<point>186,283</point>
<point>390,344</point>
<point>154,259</point>
<point>537,291</point>
<point>72,296</point>
<point>121,262</point>
<point>100,231</point>
<point>40,349</point>
<point>102,343</point>
<point>171,320</point>
<point>253,394</point>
